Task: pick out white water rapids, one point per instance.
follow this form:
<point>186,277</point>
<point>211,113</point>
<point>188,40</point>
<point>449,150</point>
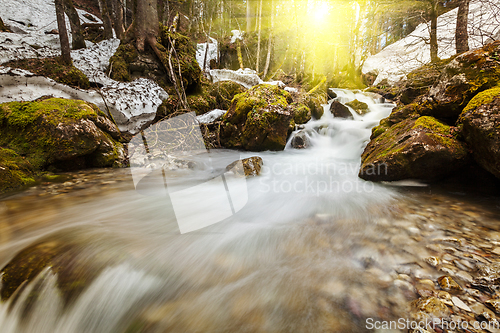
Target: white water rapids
<point>285,263</point>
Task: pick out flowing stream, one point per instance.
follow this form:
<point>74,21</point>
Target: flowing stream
<point>314,249</point>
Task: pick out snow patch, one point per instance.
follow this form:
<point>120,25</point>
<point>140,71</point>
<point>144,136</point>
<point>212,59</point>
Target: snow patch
<point>94,60</point>
<point>237,34</point>
<point>211,116</point>
<point>213,53</point>
<point>246,77</point>
<point>410,53</point>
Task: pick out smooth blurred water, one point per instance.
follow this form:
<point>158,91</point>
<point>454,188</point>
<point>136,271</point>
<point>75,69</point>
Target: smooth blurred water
<point>262,270</point>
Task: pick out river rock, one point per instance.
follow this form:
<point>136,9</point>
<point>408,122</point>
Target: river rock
<point>300,140</point>
<point>258,119</point>
<point>448,284</point>
<point>65,134</point>
<point>480,123</point>
<point>359,107</point>
<point>339,110</point>
<point>249,167</point>
<point>422,148</point>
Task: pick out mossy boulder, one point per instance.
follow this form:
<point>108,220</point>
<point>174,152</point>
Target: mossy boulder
<point>480,124</point>
<point>224,92</point>
<point>339,110</point>
<point>314,103</point>
<point>258,119</point>
<point>55,69</point>
<point>15,171</point>
<point>465,76</point>
<point>422,148</point>
<point>359,107</point>
<point>59,133</point>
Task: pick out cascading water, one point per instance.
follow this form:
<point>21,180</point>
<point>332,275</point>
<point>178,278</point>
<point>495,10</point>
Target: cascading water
<point>292,260</point>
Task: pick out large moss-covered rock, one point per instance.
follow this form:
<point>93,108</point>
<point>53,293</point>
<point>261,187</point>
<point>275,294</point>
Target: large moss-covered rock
<point>480,123</point>
<point>15,171</point>
<point>258,119</point>
<point>65,134</point>
<point>359,107</point>
<point>465,76</point>
<point>422,148</point>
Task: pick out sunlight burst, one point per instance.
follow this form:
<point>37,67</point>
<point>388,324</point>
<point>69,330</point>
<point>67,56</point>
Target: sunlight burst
<point>320,11</point>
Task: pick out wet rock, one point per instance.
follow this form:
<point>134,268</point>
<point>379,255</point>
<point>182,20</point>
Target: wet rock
<point>258,119</point>
<point>339,110</point>
<point>433,261</point>
<point>300,140</point>
<point>359,107</point>
<point>448,284</point>
<point>314,103</point>
<point>431,307</point>
<point>480,123</point>
<point>65,134</point>
<point>460,304</point>
<point>251,166</point>
<point>331,94</point>
<point>413,149</point>
<point>494,304</point>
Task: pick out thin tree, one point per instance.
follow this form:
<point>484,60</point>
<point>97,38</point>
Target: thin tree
<point>78,41</point>
<point>63,33</point>
<point>106,19</point>
<point>259,37</point>
<point>433,31</point>
<point>461,34</point>
<point>117,8</point>
<point>269,42</point>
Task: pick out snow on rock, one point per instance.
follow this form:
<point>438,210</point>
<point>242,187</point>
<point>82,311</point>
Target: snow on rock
<point>134,104</point>
<point>211,116</point>
<point>213,53</point>
<point>237,34</point>
<point>246,77</point>
<point>94,60</point>
<point>405,55</point>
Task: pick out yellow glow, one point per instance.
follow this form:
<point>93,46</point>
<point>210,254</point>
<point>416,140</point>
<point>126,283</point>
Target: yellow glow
<point>320,11</point>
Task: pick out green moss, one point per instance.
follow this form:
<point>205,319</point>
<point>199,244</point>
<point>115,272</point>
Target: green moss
<point>482,98</point>
<point>55,69</point>
<point>224,93</point>
<point>360,107</point>
<point>433,125</point>
<point>15,171</point>
<point>119,62</point>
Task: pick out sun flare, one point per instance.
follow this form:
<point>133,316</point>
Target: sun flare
<point>320,11</point>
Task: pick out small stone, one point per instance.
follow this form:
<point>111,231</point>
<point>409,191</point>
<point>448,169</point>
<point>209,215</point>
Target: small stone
<point>460,304</point>
<point>496,251</point>
<point>494,304</point>
<point>448,284</point>
<point>433,261</point>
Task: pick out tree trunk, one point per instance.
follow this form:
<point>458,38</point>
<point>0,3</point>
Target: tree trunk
<point>270,42</point>
<point>63,33</point>
<point>106,20</point>
<point>146,23</point>
<point>249,16</point>
<point>257,62</point>
<point>117,7</point>
<point>461,34</point>
<point>433,33</point>
<point>78,41</point>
